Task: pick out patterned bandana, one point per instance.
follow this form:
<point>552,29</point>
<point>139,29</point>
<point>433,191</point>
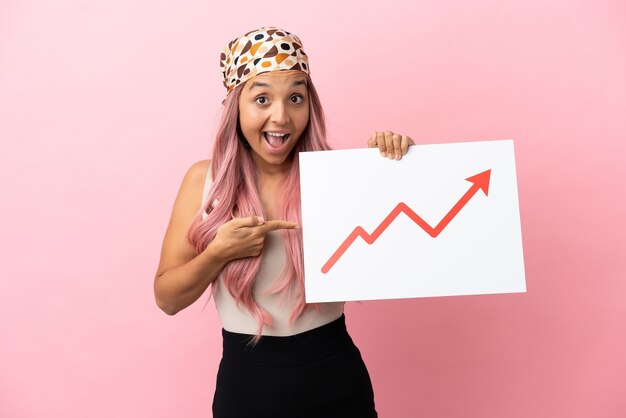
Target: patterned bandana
<point>259,51</point>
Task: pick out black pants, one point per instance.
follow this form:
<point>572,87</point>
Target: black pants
<point>315,374</point>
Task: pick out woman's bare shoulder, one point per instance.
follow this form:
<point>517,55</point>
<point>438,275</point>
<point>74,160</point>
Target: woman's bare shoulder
<point>199,168</point>
<point>196,176</point>
<point>189,198</point>
<point>202,164</point>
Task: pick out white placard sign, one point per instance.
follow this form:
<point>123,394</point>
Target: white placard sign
<point>442,221</point>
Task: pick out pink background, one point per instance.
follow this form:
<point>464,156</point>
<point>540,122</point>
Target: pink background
<point>104,105</point>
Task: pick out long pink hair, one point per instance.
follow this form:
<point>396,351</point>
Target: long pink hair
<point>235,195</point>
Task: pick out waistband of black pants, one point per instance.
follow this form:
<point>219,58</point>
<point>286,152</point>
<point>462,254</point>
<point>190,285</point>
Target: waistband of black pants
<point>293,350</point>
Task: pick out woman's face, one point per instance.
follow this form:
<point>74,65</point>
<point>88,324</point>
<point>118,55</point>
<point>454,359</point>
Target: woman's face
<point>274,102</point>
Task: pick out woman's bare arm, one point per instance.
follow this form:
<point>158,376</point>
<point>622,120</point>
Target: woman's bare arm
<point>182,275</point>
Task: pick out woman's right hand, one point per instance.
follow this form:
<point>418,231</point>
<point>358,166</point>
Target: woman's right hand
<point>244,237</point>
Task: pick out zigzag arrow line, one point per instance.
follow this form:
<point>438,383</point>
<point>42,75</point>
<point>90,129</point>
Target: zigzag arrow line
<point>480,181</point>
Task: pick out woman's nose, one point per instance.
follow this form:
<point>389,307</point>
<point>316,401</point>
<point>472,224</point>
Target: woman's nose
<point>280,114</point>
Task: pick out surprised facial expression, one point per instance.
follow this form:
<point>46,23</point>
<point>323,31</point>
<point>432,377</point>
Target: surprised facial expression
<point>273,113</point>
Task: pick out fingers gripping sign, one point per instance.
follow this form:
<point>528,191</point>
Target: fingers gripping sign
<point>390,145</point>
<point>244,237</point>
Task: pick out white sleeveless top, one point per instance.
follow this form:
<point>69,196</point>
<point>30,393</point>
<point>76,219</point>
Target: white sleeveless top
<point>240,320</point>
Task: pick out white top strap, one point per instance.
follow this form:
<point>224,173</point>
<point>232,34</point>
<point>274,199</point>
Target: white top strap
<point>208,182</point>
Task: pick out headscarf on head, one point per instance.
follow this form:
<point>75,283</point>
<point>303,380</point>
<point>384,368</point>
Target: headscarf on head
<point>259,51</point>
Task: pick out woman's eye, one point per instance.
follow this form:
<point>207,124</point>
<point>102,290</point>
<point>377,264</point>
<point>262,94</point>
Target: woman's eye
<point>263,99</point>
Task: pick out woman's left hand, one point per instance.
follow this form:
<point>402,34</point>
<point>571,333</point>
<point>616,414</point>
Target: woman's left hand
<point>392,146</point>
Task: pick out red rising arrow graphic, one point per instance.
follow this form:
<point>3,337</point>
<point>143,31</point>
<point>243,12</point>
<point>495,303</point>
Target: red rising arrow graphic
<point>480,180</point>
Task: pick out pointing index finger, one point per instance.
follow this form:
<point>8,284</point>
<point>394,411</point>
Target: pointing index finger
<point>278,224</point>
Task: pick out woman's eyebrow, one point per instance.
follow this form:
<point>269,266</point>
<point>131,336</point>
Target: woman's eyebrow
<point>262,84</point>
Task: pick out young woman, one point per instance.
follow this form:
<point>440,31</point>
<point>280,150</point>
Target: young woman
<point>236,226</point>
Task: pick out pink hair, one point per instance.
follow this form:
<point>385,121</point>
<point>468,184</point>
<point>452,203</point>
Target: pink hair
<point>234,188</point>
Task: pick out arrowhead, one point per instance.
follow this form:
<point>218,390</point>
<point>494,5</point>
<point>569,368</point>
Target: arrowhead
<point>481,180</point>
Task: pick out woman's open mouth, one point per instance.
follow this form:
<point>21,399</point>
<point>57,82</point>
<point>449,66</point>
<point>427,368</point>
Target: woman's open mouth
<point>275,140</point>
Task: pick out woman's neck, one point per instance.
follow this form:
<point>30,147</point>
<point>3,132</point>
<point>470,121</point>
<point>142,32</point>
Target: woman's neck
<point>270,192</point>
<point>270,179</point>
